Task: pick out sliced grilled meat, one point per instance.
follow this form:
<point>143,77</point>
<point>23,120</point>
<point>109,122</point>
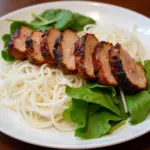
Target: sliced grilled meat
<point>127,72</point>
<point>84,50</point>
<point>65,52</point>
<point>101,64</point>
<point>48,45</point>
<point>33,45</point>
<point>17,48</point>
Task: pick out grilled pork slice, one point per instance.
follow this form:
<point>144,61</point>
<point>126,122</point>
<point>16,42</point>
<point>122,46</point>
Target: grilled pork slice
<point>33,45</point>
<point>48,45</point>
<point>17,46</point>
<point>84,50</point>
<point>127,72</point>
<point>101,64</point>
<point>65,51</point>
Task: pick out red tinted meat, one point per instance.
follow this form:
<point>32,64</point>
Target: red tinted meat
<point>17,48</point>
<point>33,45</point>
<point>127,72</point>
<point>48,45</point>
<point>84,50</point>
<point>65,52</point>
<point>102,66</point>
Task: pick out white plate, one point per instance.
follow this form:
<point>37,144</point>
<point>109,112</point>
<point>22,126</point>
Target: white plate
<point>13,125</point>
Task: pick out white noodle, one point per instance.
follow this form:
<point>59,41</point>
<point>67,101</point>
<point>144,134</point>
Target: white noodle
<point>37,93</point>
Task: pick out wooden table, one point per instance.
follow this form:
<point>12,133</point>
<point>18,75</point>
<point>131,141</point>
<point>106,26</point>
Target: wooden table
<point>141,6</point>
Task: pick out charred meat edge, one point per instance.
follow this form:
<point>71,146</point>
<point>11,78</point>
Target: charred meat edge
<point>64,53</point>
<point>102,66</point>
<point>81,56</point>
<point>13,48</point>
<point>127,72</point>
<point>35,55</point>
<point>48,45</point>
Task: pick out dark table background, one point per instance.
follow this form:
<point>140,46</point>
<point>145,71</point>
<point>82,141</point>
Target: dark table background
<point>141,6</point>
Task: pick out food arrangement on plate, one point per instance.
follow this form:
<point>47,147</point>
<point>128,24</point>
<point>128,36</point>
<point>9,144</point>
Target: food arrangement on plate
<point>62,70</point>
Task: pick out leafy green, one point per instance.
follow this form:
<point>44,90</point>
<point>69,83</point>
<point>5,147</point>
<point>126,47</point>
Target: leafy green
<point>66,114</point>
<point>65,21</point>
<point>47,15</point>
<point>35,26</point>
<point>61,19</point>
<point>6,39</point>
<point>77,112</point>
<point>80,21</point>
<point>147,69</point>
<point>119,103</point>
<point>116,125</point>
<point>92,85</point>
<point>98,96</point>
<point>91,119</point>
<point>138,106</point>
<point>97,125</point>
<point>5,55</point>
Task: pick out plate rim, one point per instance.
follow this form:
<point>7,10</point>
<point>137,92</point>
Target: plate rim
<point>131,137</point>
<point>126,139</point>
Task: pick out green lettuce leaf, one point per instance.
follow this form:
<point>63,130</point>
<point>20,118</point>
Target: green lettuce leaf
<point>4,53</point>
<point>98,124</point>
<point>61,19</point>
<point>147,69</point>
<point>6,39</point>
<point>138,106</point>
<point>98,96</point>
<point>77,113</point>
<point>116,125</point>
<point>91,119</point>
<point>66,19</point>
<point>47,15</point>
<point>80,21</point>
<point>118,102</point>
<point>92,85</point>
<point>74,21</point>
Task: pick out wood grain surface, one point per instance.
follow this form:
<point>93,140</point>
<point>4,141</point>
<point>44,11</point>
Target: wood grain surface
<point>141,6</point>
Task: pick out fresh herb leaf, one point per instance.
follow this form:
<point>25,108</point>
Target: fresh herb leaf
<point>16,24</point>
<point>91,119</point>
<point>61,19</point>
<point>42,28</point>
<point>74,21</point>
<point>80,21</point>
<point>65,21</point>
<point>92,85</point>
<point>116,125</point>
<point>6,56</point>
<point>47,15</point>
<point>77,113</point>
<point>93,108</point>
<point>6,39</point>
<point>4,53</point>
<point>97,125</point>
<point>118,102</point>
<point>101,96</point>
<point>66,114</point>
<point>138,106</point>
<point>147,69</point>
